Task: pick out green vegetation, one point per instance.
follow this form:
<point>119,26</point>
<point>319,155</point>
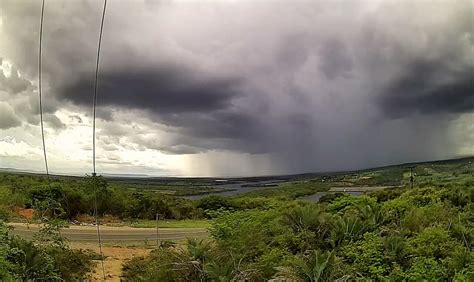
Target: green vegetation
<point>76,197</point>
<point>396,234</point>
<point>41,260</point>
<point>421,234</point>
<point>172,186</point>
<point>291,190</point>
<point>184,223</point>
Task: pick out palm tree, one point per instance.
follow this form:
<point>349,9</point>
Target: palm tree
<point>226,267</point>
<point>189,263</point>
<point>310,225</point>
<point>396,249</point>
<point>302,219</point>
<point>313,267</point>
<point>221,271</point>
<point>372,214</point>
<point>345,229</point>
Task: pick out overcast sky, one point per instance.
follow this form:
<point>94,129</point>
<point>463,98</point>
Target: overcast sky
<point>221,88</point>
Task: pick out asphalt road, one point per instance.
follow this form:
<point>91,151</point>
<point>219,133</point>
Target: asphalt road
<point>89,233</point>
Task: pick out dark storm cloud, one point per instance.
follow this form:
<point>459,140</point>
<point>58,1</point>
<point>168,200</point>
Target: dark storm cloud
<point>161,90</point>
<point>199,106</point>
<point>317,85</point>
<point>193,132</point>
<point>428,87</point>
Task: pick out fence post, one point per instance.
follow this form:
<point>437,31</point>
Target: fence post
<point>157,241</point>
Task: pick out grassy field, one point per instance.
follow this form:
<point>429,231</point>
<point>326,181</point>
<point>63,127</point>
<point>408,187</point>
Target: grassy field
<point>185,223</point>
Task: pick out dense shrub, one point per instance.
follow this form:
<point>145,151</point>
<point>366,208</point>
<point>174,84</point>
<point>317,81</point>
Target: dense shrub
<point>69,199</point>
<point>423,234</point>
<point>26,260</point>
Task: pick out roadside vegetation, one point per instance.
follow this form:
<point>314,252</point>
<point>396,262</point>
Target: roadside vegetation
<point>45,258</point>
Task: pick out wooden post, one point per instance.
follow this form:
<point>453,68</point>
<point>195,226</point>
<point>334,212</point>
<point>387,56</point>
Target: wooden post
<point>157,241</point>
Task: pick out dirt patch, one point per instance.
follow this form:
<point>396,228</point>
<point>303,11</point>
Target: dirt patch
<point>25,213</point>
<point>85,218</point>
<point>115,257</point>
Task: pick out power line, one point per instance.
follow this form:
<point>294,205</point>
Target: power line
<point>40,94</point>
<point>96,84</point>
<point>40,68</point>
<point>94,106</point>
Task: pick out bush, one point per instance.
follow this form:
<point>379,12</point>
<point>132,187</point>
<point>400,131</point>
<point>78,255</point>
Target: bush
<point>426,269</point>
<point>366,257</point>
<point>26,260</point>
<point>433,242</point>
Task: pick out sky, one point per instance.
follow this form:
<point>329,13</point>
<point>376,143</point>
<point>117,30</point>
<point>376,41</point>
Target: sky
<point>237,88</point>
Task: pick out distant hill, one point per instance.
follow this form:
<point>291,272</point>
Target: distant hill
<point>247,178</point>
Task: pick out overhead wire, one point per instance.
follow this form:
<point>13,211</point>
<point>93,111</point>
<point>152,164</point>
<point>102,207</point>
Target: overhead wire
<point>94,175</point>
<point>40,96</point>
<point>94,107</point>
<point>40,92</point>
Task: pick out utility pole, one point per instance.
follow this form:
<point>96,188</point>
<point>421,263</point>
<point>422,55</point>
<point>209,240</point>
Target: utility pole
<point>157,241</point>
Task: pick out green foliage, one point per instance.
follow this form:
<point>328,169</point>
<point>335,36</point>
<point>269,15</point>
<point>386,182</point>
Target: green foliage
<point>433,242</point>
<point>69,198</point>
<point>314,267</point>
<point>31,262</point>
<point>291,190</point>
<point>6,265</point>
<point>398,234</point>
<point>350,204</point>
<point>4,213</point>
<point>214,203</point>
<point>366,257</point>
<point>421,234</point>
<point>27,260</point>
<point>237,232</point>
<point>190,263</point>
<point>396,249</point>
<point>418,219</point>
<point>426,269</point>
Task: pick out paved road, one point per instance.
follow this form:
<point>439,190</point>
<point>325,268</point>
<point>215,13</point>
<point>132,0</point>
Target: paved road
<point>89,233</point>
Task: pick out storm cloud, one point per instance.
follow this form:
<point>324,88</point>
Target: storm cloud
<point>290,86</point>
<point>164,90</point>
<point>428,88</point>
